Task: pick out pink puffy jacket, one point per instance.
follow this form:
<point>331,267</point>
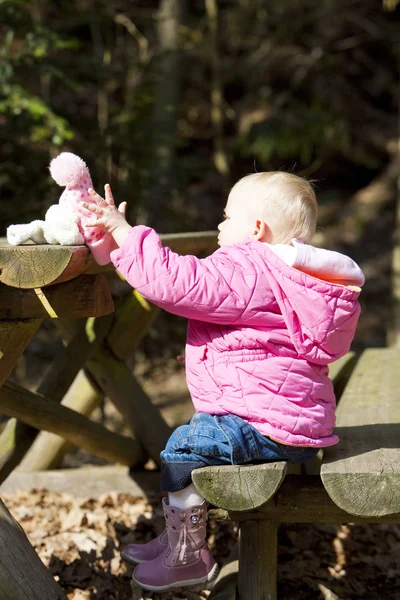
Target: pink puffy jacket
<point>260,333</point>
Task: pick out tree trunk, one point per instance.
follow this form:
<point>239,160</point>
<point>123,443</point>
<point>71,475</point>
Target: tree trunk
<point>393,333</point>
<point>22,574</point>
<point>166,100</point>
<point>216,92</point>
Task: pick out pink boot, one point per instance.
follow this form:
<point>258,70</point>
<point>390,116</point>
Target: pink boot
<point>187,560</point>
<point>138,553</point>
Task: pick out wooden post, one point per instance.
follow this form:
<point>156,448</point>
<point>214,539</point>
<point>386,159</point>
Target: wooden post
<point>143,417</point>
<point>23,575</point>
<point>43,413</point>
<point>258,556</point>
<point>17,438</point>
<point>48,448</point>
<point>14,337</point>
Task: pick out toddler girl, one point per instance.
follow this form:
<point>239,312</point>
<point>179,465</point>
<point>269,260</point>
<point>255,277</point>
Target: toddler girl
<point>267,313</point>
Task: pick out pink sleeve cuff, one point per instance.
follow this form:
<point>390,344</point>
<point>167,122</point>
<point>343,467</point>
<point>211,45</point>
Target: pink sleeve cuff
<point>101,250</point>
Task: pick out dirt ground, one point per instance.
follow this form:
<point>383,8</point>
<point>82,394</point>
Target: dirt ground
<point>80,540</point>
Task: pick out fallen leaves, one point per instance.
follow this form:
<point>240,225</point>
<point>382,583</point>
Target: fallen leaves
<point>80,541</point>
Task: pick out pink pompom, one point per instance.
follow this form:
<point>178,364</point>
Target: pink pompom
<point>68,170</point>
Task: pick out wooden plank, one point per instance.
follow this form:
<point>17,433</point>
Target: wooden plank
<point>48,448</point>
<point>258,559</point>
<point>85,296</point>
<point>239,487</point>
<point>300,499</point>
<point>133,319</point>
<point>17,438</point>
<point>131,323</point>
<point>116,381</point>
<point>35,266</point>
<point>39,265</point>
<point>340,372</point>
<point>86,481</point>
<point>118,384</point>
<point>23,576</point>
<point>197,242</point>
<point>193,242</point>
<point>43,413</point>
<point>362,473</point>
<point>14,337</point>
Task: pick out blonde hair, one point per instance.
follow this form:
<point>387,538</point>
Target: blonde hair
<point>286,202</point>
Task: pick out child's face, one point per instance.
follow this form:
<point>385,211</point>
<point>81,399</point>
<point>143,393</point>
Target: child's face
<point>237,223</point>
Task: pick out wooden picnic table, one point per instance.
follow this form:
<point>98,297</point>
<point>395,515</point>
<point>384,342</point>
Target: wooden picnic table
<point>64,283</point>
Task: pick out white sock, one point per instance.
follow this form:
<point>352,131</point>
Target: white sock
<point>189,496</point>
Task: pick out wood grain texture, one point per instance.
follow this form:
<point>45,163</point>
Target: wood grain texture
<point>114,378</point>
<point>300,499</point>
<point>239,487</point>
<point>143,417</point>
<point>201,242</point>
<point>23,576</point>
<point>48,448</point>
<point>258,558</point>
<point>39,265</point>
<point>17,438</point>
<point>133,320</point>
<point>130,324</point>
<point>14,337</point>
<point>35,266</point>
<point>362,473</point>
<point>43,413</point>
<point>85,296</point>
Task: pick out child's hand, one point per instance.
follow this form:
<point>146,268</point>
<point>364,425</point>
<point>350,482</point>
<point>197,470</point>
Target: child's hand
<point>106,214</point>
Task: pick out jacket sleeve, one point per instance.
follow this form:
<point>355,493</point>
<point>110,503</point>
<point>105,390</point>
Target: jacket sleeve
<point>215,289</point>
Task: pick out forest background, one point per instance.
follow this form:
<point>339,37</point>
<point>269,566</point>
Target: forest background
<point>173,101</point>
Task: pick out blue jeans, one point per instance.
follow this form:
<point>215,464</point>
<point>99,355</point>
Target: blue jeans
<point>220,440</point>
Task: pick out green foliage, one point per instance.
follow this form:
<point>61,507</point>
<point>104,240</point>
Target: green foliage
<point>302,134</point>
<point>44,124</point>
<point>310,82</point>
<point>26,46</point>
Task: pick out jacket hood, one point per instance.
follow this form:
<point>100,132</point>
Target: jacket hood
<point>321,316</point>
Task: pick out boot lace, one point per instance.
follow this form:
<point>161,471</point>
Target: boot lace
<point>179,552</point>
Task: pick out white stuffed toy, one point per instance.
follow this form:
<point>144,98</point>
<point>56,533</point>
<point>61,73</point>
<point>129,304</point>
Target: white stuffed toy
<point>65,223</point>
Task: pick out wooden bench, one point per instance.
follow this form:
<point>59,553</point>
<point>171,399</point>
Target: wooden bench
<point>359,479</point>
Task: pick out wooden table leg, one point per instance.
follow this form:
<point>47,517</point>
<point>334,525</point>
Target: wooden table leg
<point>22,573</point>
<point>258,560</point>
<point>14,338</point>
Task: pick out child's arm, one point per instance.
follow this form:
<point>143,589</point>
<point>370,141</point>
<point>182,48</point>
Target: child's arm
<point>215,289</point>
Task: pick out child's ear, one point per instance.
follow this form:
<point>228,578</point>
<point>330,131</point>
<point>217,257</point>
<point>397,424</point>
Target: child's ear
<point>261,231</point>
